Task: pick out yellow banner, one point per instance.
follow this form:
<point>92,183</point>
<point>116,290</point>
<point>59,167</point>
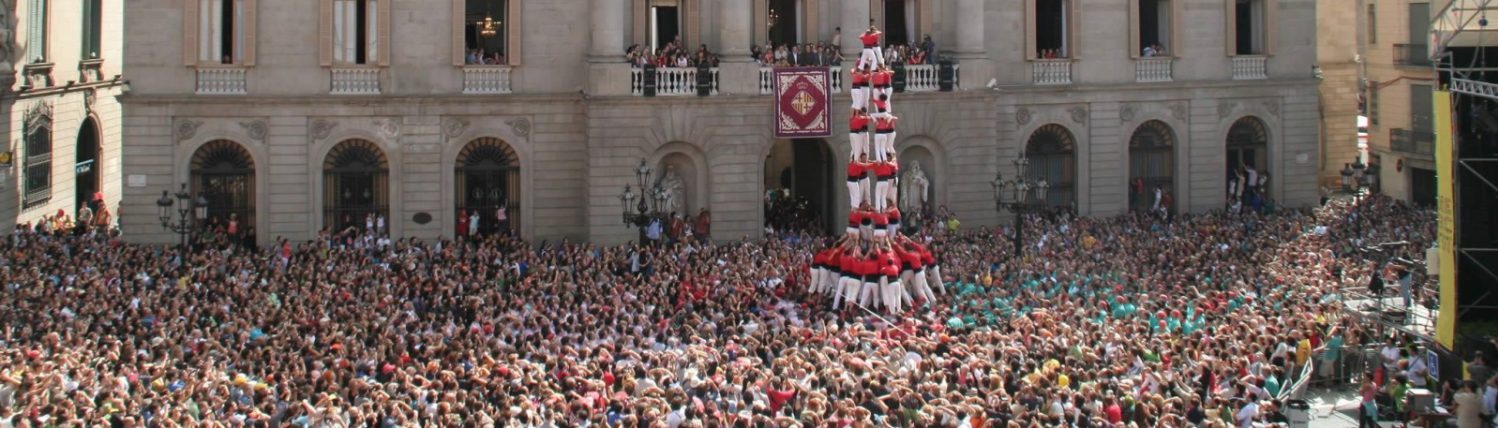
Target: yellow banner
<point>1445,219</point>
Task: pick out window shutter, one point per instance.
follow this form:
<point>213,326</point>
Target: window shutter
<point>1230,26</point>
<point>248,31</point>
<point>384,27</point>
<point>1271,26</point>
<point>459,24</point>
<point>514,31</point>
<point>190,32</point>
<point>1073,21</point>
<point>88,29</point>
<point>36,48</point>
<point>325,32</point>
<point>1135,50</point>
<point>1030,29</point>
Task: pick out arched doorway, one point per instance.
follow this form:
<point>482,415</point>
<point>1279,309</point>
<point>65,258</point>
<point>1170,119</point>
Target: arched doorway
<point>487,178</point>
<point>355,186</point>
<point>86,166</point>
<point>798,186</point>
<point>1248,154</point>
<point>1052,153</point>
<point>1151,164</point>
<point>223,172</point>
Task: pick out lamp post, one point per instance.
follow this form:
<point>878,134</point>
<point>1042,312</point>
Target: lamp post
<point>650,200</point>
<point>1025,195</point>
<point>190,211</point>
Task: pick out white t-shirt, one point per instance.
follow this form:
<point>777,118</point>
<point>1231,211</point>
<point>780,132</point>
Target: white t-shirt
<point>1247,414</point>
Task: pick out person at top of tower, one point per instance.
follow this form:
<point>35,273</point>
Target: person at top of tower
<point>871,56</point>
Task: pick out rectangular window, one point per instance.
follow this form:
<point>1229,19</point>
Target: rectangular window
<point>1154,26</point>
<point>1248,26</point>
<point>93,25</point>
<point>223,26</point>
<point>354,30</point>
<point>38,164</point>
<point>1373,104</point>
<point>36,31</point>
<point>485,41</point>
<point>1372,24</point>
<point>1419,23</point>
<point>1051,32</point>
<point>1421,108</point>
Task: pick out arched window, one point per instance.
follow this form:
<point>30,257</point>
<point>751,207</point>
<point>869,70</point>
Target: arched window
<point>38,164</point>
<point>1248,153</point>
<point>1052,154</point>
<point>356,188</point>
<point>1151,164</point>
<point>488,179</point>
<point>223,172</point>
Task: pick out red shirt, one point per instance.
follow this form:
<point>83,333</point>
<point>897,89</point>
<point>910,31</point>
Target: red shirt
<point>849,263</point>
<point>884,170</point>
<point>889,270</point>
<point>869,40</point>
<point>882,78</point>
<point>857,170</point>
<point>858,123</point>
<point>868,267</point>
<point>856,217</point>
<point>819,259</point>
<point>860,77</point>
<point>881,106</point>
<point>880,219</point>
<point>884,124</point>
<point>927,258</point>
<point>893,213</point>
<point>912,259</point>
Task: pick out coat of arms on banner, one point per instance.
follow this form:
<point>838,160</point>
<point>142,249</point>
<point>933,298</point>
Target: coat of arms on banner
<point>801,102</point>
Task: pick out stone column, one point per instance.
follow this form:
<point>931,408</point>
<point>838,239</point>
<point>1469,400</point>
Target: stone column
<point>855,20</point>
<point>734,25</point>
<point>970,28</point>
<point>608,30</point>
<point>608,74</point>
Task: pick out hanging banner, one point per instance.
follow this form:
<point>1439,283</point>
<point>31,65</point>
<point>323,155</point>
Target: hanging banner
<point>1445,220</point>
<point>801,102</point>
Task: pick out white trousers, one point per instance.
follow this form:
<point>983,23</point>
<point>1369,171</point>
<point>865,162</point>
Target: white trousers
<point>855,194</point>
<point>816,280</point>
<point>922,287</point>
<point>829,281</point>
<point>881,194</point>
<point>869,295</point>
<point>880,232</point>
<point>933,276</point>
<point>890,288</point>
<point>866,188</point>
<point>847,288</point>
<point>871,57</point>
<point>876,148</point>
<point>858,142</point>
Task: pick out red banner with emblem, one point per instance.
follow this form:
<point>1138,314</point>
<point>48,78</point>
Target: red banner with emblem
<point>801,102</point>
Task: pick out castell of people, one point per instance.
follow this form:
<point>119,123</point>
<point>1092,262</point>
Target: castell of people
<point>648,214</point>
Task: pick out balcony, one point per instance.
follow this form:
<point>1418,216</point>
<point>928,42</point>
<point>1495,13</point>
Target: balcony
<point>221,81</point>
<point>1411,55</point>
<point>1148,70</point>
<point>767,80</point>
<point>671,81</point>
<point>1250,67</point>
<point>486,79</point>
<point>355,81</point>
<point>38,75</point>
<point>1414,142</point>
<point>922,78</point>
<point>1051,71</point>
<point>90,70</point>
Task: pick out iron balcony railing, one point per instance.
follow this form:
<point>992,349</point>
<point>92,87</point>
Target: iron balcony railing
<point>1412,141</point>
<point>1411,55</point>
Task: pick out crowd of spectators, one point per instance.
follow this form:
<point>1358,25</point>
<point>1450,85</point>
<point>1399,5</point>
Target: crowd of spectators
<point>1200,320</point>
<point>671,55</point>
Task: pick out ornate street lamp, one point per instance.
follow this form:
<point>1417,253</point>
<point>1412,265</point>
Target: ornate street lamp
<point>646,205</point>
<point>1021,195</point>
<point>190,211</point>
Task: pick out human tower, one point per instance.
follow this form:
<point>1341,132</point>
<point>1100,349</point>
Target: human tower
<point>873,265</point>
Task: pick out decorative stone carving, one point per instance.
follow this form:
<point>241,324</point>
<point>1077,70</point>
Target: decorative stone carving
<point>453,128</point>
<point>1078,114</point>
<point>322,128</point>
<point>38,115</point>
<point>7,33</point>
<point>388,128</point>
<point>1273,106</point>
<point>254,128</point>
<point>187,128</point>
<point>89,97</point>
<point>1178,110</point>
<point>520,126</point>
<point>1225,108</point>
<point>1023,116</point>
<point>1127,112</point>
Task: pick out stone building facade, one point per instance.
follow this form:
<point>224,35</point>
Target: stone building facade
<point>59,75</point>
<point>325,125</point>
<point>1400,79</point>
